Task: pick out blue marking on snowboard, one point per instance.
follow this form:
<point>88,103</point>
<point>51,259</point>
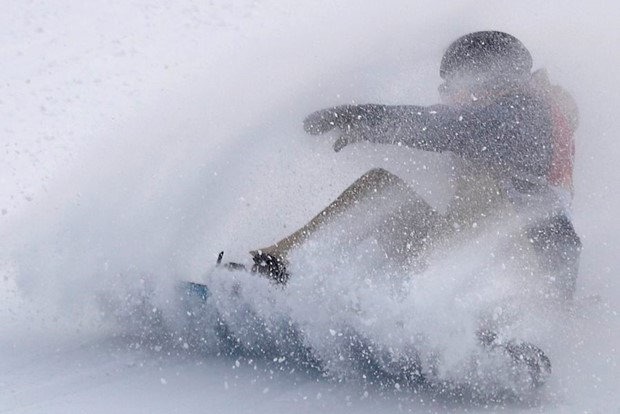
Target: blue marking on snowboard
<point>196,290</point>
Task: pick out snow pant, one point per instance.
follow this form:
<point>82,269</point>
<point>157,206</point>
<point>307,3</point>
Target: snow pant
<point>380,205</point>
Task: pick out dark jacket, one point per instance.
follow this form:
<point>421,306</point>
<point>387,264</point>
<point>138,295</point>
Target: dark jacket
<point>512,134</point>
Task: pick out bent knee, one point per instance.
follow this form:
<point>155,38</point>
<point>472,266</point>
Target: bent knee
<point>380,178</point>
<point>555,232</point>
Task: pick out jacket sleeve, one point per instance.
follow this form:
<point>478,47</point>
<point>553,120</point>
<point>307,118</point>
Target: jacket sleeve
<point>513,132</point>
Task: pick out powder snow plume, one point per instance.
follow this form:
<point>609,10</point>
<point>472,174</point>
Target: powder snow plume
<point>140,140</point>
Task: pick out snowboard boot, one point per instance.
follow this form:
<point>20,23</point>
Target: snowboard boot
<point>537,362</point>
<point>271,266</point>
<point>524,354</point>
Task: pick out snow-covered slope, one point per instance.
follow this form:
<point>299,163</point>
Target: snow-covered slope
<point>140,139</point>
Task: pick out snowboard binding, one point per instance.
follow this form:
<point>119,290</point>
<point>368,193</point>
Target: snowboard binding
<point>270,266</point>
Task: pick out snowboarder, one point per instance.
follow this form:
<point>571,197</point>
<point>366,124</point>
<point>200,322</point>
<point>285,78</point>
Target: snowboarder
<point>511,132</point>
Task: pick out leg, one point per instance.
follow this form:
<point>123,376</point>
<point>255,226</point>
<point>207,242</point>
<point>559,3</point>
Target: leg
<point>398,217</point>
<point>558,247</point>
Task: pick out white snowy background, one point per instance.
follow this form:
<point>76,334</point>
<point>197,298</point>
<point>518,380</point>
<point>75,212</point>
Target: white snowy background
<point>138,139</point>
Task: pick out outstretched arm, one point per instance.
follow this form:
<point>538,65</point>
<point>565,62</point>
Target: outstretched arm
<point>513,131</point>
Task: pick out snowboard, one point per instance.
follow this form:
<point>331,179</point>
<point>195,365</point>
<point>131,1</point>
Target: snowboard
<point>531,362</point>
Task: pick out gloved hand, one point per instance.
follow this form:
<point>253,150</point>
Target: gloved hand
<point>356,122</point>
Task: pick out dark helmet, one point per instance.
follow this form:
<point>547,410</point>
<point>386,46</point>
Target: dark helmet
<point>490,52</point>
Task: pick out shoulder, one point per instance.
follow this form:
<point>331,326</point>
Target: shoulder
<point>526,117</point>
<point>525,104</point>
